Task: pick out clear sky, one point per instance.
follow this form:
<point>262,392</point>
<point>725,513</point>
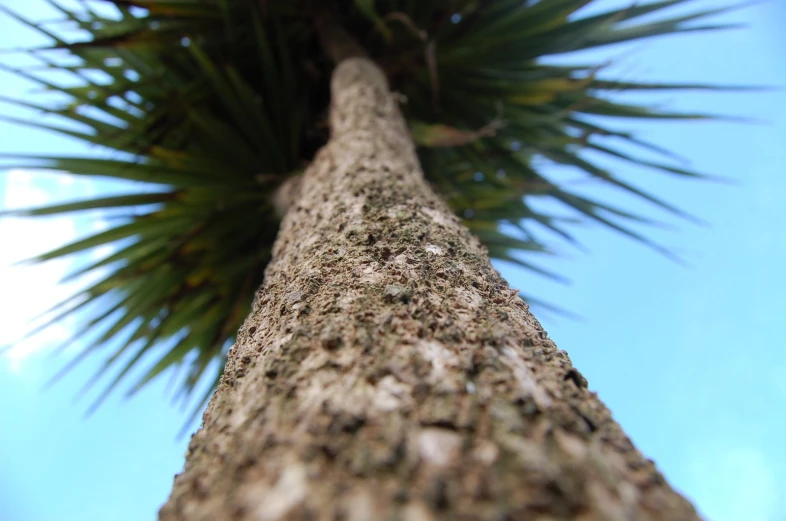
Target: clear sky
<point>689,360</point>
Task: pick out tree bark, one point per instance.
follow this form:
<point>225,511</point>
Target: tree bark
<point>388,372</point>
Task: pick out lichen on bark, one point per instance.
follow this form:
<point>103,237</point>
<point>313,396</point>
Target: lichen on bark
<point>387,371</point>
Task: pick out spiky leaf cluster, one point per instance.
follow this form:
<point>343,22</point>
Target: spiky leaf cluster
<point>218,102</point>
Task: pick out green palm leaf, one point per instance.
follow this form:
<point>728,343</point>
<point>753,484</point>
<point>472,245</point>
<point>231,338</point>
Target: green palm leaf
<point>214,104</point>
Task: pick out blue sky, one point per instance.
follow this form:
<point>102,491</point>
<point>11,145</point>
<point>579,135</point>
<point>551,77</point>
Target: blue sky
<point>689,360</point>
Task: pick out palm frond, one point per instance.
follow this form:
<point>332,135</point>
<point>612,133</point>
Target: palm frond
<point>214,104</point>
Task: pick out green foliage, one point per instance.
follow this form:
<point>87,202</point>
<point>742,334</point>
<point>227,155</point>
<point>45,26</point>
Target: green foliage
<point>218,102</point>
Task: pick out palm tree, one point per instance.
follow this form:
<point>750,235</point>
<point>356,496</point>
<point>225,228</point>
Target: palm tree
<point>331,178</point>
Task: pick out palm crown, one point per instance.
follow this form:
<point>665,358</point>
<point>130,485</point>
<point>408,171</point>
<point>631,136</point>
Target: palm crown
<point>216,103</point>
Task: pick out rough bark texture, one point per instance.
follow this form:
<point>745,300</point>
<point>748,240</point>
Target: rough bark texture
<point>388,372</point>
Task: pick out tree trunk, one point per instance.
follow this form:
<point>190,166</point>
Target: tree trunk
<point>388,372</point>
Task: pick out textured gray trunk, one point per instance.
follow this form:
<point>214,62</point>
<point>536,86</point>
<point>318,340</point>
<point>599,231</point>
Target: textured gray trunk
<point>388,372</point>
